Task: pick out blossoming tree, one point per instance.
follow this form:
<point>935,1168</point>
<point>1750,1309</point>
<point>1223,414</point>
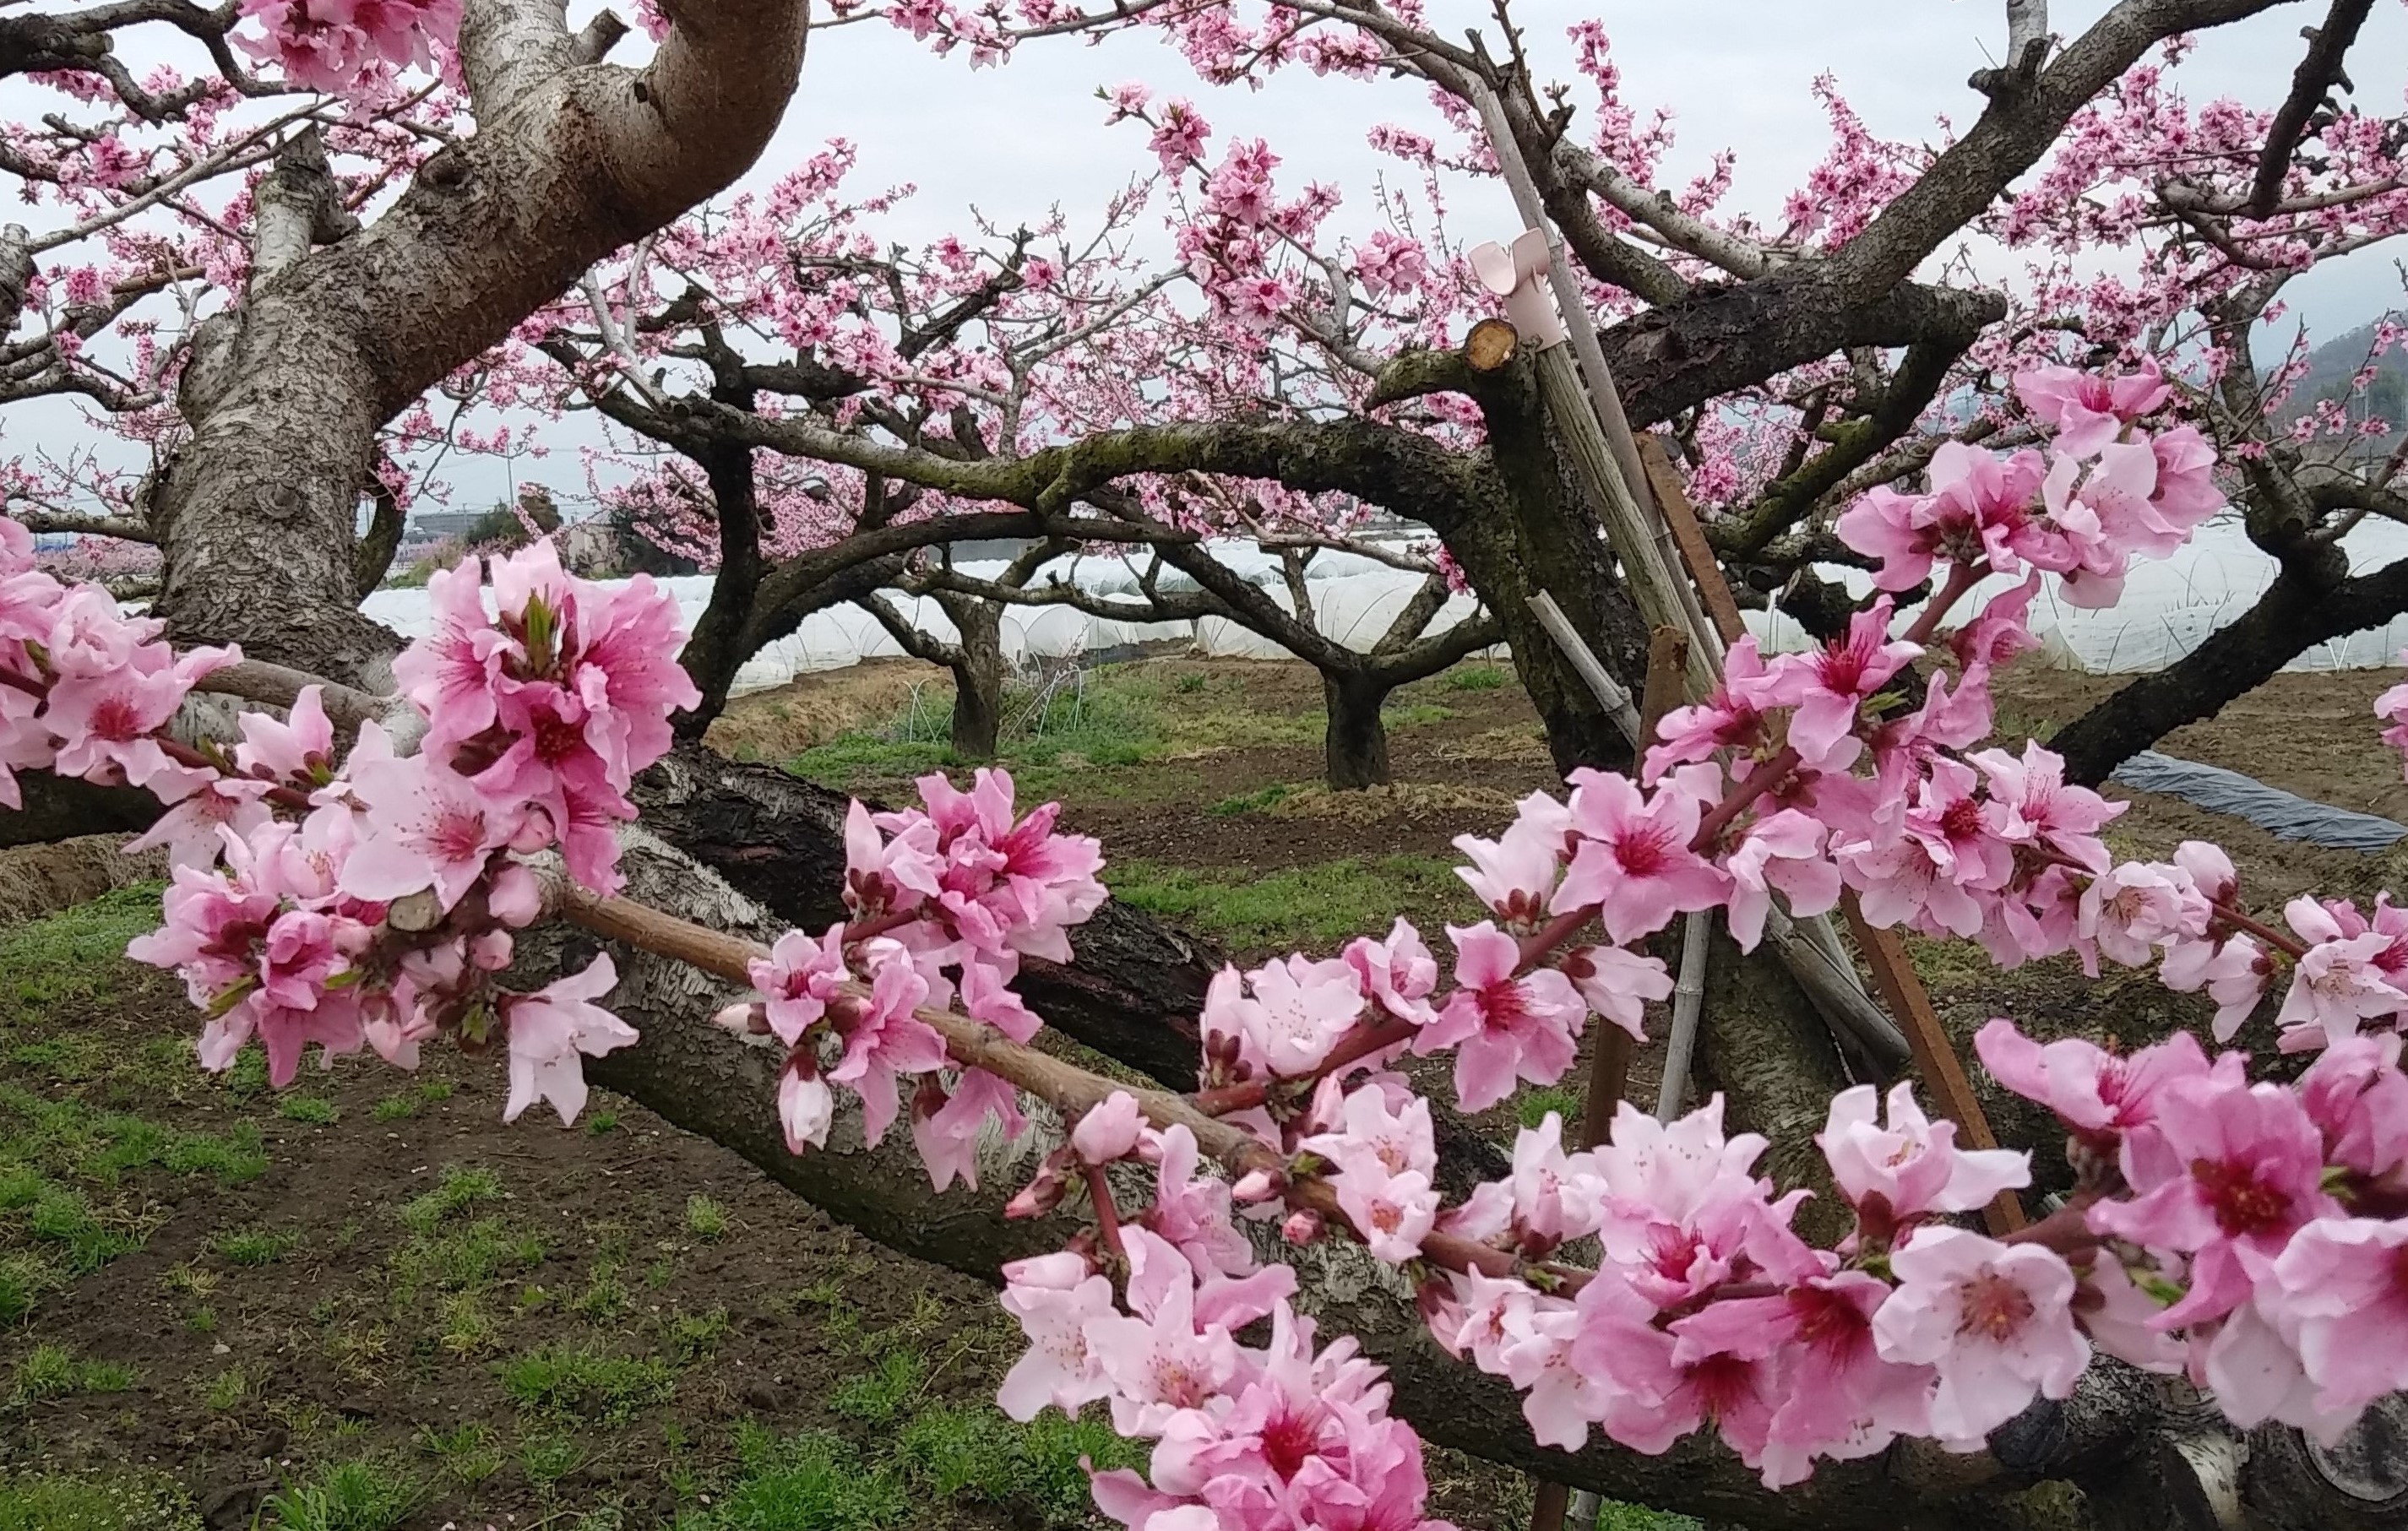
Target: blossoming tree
<point>457,863</point>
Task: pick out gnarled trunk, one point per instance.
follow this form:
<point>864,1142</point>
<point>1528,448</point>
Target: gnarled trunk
<point>978,676</point>
<point>1354,744</point>
<point>285,394</point>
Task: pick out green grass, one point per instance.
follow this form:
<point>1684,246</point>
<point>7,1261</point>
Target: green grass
<point>465,1258</point>
<point>410,1102</point>
<point>572,1379</point>
<point>1251,802</point>
<point>880,1396</point>
<point>366,1495</point>
<point>690,1336</point>
<point>1414,714</point>
<point>942,1456</point>
<point>813,1482</point>
<point>1476,678</point>
<point>53,1371</point>
<point>705,1218</point>
<point>465,1456</point>
<point>1314,907</point>
<point>461,1189</point>
<point>74,956</point>
<point>313,1110</point>
<point>1532,1105</point>
<point>255,1246</point>
<point>132,1501</point>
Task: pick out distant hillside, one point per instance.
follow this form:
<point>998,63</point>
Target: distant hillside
<point>2332,364</point>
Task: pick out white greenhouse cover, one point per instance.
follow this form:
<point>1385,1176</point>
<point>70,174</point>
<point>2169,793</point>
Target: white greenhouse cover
<point>2168,608</point>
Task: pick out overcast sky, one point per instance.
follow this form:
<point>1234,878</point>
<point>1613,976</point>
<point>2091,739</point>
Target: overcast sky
<point>1737,74</point>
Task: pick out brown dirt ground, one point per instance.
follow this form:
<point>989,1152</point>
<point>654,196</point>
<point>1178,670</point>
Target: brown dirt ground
<point>337,1362</point>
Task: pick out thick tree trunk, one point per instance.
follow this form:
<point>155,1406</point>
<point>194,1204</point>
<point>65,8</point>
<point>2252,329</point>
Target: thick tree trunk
<point>1548,540</point>
<point>978,677</point>
<point>1354,744</point>
<point>285,395</point>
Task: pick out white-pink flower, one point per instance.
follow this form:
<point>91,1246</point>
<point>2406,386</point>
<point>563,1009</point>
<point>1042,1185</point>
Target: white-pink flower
<point>1995,1320</point>
<point>1055,1297</point>
<point>1913,1163</point>
<point>550,1029</point>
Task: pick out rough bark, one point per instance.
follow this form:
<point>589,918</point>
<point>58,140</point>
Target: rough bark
<point>1354,743</point>
<point>255,513</point>
<point>977,668</point>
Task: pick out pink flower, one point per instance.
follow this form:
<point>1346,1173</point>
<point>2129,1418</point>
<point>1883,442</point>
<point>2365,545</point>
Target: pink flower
<point>2133,908</point>
<point>2342,1286</point>
<point>426,828</point>
<point>1995,1320</point>
<point>1894,529</point>
<point>298,750</point>
<point>2087,410</point>
<point>887,1039</point>
<point>2232,1168</point>
<point>1840,1400</point>
<point>1783,850</point>
<point>1055,1297</point>
<point>987,996</point>
<point>449,674</point>
<point>947,1135</point>
<point>1371,1136</point>
<point>1398,973</point>
<point>806,1106</point>
<point>2340,982</point>
<point>2091,1090</point>
<point>2186,492</point>
<point>797,980</point>
<point>1393,1213</point>
<point>2043,809</point>
<point>1192,1211</point>
<point>1515,874</point>
<point>882,874</point>
<point>1958,832</point>
<point>107,726</point>
<point>2358,1097</point>
<point>2233,969</point>
<point>550,1028</point>
<point>2256,1374</point>
<point>1731,719</point>
<point>190,829</point>
<point>1502,1026</point>
<point>2002,632</point>
<point>1296,1014</point>
<point>1913,1165</point>
<point>1634,863</point>
<point>1108,1131</point>
<point>1617,984</point>
<point>1168,1356</point>
<point>1008,886</point>
<point>2121,1318</point>
<point>1828,687</point>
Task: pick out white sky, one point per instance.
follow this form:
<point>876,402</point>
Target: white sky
<point>1014,140</point>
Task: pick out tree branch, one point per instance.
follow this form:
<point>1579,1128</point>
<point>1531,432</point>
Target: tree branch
<point>2310,82</point>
